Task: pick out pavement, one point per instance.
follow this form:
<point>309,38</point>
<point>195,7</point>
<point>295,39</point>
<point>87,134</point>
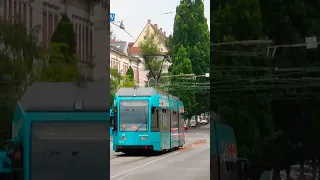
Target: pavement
<point>192,162</point>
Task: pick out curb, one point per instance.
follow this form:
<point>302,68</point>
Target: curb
<point>194,144</point>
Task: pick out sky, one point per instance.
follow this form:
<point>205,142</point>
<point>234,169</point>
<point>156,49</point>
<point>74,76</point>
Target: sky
<point>135,15</point>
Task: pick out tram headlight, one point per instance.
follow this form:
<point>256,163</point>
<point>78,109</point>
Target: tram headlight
<point>144,138</point>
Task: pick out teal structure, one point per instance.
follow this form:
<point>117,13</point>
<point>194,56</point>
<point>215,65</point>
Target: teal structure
<point>5,163</point>
<point>111,120</point>
<point>63,129</point>
<point>147,120</point>
<point>223,151</point>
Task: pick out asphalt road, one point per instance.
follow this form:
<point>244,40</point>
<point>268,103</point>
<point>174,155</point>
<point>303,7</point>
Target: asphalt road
<point>190,163</point>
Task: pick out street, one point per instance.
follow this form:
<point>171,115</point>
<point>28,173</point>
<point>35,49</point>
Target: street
<point>190,163</point>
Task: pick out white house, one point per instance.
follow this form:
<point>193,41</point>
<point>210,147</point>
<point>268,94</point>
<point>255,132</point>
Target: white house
<point>121,60</point>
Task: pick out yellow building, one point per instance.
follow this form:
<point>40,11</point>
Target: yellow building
<point>160,38</point>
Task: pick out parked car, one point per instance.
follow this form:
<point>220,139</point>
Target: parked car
<point>186,128</point>
<point>295,173</point>
<point>204,121</point>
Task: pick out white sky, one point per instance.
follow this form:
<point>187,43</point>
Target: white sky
<point>135,15</point>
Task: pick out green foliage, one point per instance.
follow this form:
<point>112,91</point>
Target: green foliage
<point>127,82</point>
<point>65,34</point>
<point>56,68</point>
<point>61,63</point>
<point>182,65</point>
<point>130,74</point>
<point>274,121</point>
<point>191,32</point>
<point>17,58</point>
<point>117,81</point>
<point>149,48</point>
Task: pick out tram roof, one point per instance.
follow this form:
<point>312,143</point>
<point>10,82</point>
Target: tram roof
<point>61,97</point>
<point>140,92</point>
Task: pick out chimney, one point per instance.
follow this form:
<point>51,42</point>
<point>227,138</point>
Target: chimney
<point>156,25</point>
<point>161,29</point>
<point>149,21</point>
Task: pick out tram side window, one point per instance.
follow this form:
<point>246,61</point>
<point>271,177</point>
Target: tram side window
<point>228,165</point>
<point>171,120</point>
<point>176,115</point>
<point>161,119</point>
<point>168,121</point>
<point>155,120</point>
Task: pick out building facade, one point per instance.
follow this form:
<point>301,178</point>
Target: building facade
<point>121,60</point>
<point>134,49</point>
<point>90,22</point>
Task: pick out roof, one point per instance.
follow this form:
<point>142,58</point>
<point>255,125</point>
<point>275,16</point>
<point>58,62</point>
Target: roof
<point>162,36</point>
<point>135,50</point>
<point>147,91</point>
<point>120,45</point>
<point>60,97</point>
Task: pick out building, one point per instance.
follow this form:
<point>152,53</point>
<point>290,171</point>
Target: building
<point>121,60</point>
<point>135,50</point>
<point>89,18</point>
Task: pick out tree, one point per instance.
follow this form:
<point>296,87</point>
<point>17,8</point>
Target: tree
<point>65,34</point>
<point>18,55</point>
<point>117,81</point>
<point>181,64</point>
<point>130,73</point>
<point>233,95</point>
<point>191,31</point>
<point>61,63</point>
<point>150,47</point>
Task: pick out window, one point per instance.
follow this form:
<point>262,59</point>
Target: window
<point>56,20</point>
<point>19,12</point>
<point>44,28</point>
<point>5,9</point>
<point>87,43</point>
<point>133,115</point>
<point>145,37</point>
<point>161,120</point>
<point>76,35</point>
<point>14,9</point>
<point>25,13</point>
<point>10,10</point>
<point>50,26</point>
<point>80,41</point>
<point>83,42</point>
<point>161,49</point>
<point>154,119</point>
<point>91,43</point>
<point>31,18</point>
<point>227,165</point>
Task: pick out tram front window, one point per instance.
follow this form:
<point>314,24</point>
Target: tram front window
<point>133,116</point>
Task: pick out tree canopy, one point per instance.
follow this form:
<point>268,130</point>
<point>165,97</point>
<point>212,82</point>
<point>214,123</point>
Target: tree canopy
<point>268,100</point>
<point>190,43</point>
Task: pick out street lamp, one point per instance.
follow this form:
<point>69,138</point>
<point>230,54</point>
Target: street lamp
<point>147,58</point>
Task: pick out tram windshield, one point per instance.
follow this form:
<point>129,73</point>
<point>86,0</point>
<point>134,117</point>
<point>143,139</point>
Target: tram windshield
<point>133,115</point>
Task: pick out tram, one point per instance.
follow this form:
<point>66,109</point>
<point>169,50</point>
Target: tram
<point>147,120</point>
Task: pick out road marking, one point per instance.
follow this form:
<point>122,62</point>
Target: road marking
<point>124,172</point>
